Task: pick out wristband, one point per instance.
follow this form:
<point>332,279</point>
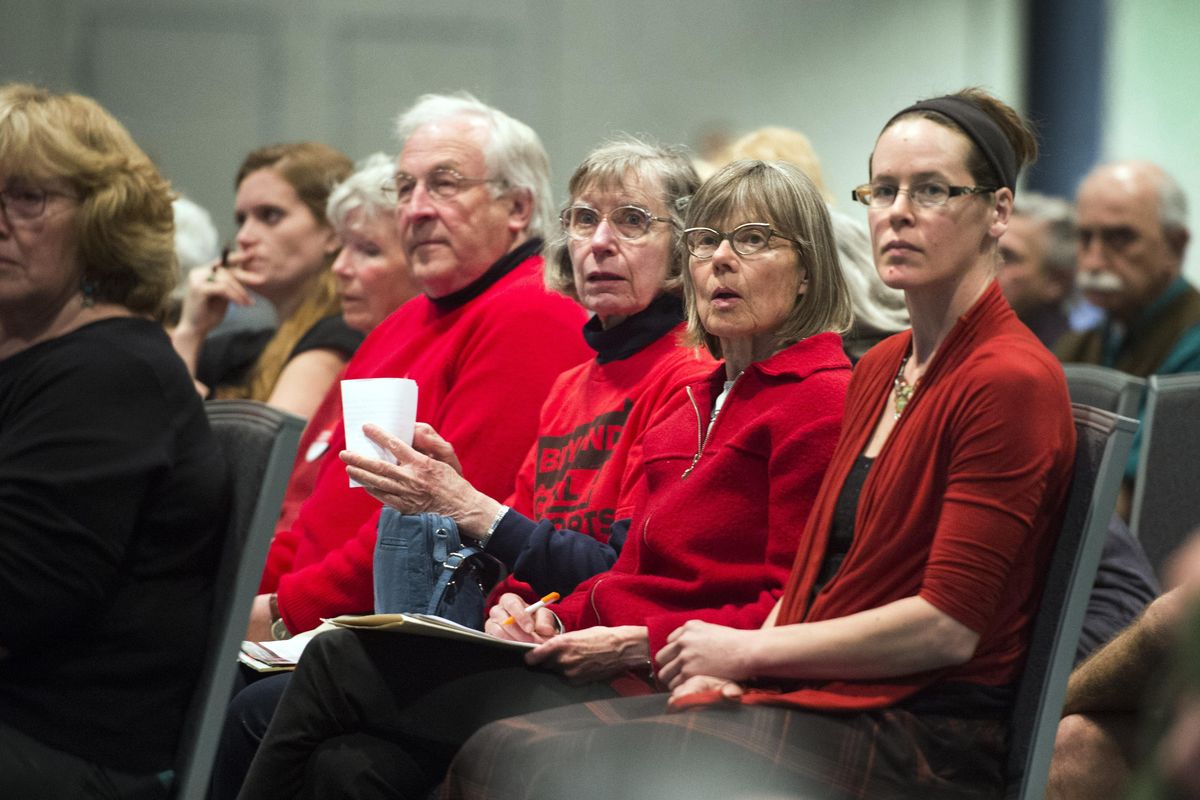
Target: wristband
<point>483,542</point>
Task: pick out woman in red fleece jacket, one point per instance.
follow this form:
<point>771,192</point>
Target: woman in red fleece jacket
<point>888,668</point>
<point>729,479</point>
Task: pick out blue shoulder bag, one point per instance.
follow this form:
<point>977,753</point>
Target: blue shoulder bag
<point>422,567</point>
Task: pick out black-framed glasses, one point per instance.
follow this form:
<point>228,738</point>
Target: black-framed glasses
<point>24,203</point>
<point>442,184</point>
<point>746,239</point>
<point>929,194</point>
<point>630,222</point>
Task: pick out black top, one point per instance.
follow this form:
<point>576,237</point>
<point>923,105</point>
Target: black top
<point>841,536</point>
<point>636,332</point>
<point>504,265</point>
<point>227,357</point>
<point>113,502</point>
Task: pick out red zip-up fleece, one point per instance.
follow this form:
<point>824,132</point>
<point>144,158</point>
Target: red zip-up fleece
<point>718,525</point>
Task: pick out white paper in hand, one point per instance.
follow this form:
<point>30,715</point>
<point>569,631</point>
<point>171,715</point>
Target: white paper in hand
<point>389,403</point>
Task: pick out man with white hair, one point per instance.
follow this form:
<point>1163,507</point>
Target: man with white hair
<point>1131,219</point>
<point>484,341</point>
<point>1132,236</point>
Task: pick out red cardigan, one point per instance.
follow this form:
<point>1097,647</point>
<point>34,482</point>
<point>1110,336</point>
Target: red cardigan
<point>961,507</point>
<point>483,369</point>
<point>716,531</point>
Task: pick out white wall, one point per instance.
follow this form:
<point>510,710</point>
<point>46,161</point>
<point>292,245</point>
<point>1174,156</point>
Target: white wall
<point>201,82</point>
<point>1153,107</point>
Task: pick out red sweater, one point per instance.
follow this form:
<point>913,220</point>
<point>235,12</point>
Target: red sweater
<point>961,507</point>
<point>587,460</point>
<point>716,530</point>
<point>314,445</point>
<point>483,369</point>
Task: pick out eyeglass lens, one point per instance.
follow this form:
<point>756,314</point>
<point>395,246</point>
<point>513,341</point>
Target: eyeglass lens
<point>629,222</point>
<point>746,240</point>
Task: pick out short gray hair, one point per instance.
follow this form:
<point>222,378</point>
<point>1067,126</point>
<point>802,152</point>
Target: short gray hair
<point>513,153</point>
<point>362,192</point>
<point>878,308</point>
<point>1059,218</point>
<point>196,239</point>
<point>667,170</point>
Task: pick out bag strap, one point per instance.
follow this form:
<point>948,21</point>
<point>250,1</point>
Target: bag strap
<point>450,568</point>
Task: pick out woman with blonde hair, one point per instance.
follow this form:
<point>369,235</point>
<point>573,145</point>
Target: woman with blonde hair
<point>113,490</point>
<point>285,247</point>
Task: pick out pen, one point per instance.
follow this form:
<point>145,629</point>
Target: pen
<point>545,601</point>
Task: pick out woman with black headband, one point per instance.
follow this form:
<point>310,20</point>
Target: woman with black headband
<point>889,666</point>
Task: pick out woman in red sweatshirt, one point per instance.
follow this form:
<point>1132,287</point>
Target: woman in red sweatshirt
<point>889,666</point>
<point>729,480</point>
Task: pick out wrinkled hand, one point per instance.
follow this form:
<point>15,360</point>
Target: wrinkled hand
<point>703,683</point>
<point>211,289</point>
<point>593,654</point>
<point>701,648</point>
<point>429,442</point>
<point>259,627</point>
<point>418,483</point>
<point>539,626</point>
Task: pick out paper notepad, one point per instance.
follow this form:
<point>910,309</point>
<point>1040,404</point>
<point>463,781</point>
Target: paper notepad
<point>390,403</point>
<point>426,625</point>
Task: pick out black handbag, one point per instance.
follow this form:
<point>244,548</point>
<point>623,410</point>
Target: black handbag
<point>422,567</point>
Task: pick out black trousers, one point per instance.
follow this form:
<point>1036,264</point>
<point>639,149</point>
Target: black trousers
<point>246,722</point>
<point>381,714</point>
<point>30,769</point>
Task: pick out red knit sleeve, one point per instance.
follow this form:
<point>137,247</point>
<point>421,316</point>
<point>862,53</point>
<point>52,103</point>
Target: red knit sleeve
<point>802,447</point>
<point>1012,438</point>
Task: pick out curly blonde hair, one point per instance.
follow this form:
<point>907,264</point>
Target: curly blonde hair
<point>125,226</point>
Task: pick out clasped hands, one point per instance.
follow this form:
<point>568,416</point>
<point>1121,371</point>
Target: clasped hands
<point>695,653</point>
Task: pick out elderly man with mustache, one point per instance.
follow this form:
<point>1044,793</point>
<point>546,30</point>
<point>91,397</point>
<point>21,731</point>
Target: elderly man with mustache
<point>1132,224</point>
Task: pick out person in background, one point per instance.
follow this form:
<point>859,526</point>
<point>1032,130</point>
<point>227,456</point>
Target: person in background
<point>285,246</point>
<point>196,244</point>
<point>729,480</point>
<point>1111,698</point>
<point>889,666</point>
<point>373,279</point>
<point>1037,264</point>
<point>879,310</point>
<point>113,490</point>
<point>484,341</point>
<point>1132,225</point>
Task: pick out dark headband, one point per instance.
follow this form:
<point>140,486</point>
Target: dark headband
<point>980,128</point>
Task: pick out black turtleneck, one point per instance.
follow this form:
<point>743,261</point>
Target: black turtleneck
<point>636,332</point>
<point>504,265</point>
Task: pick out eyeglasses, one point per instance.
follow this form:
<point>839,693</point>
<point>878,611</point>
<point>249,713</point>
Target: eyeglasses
<point>630,222</point>
<point>746,239</point>
<point>442,184</point>
<point>24,203</point>
<point>1114,238</point>
<point>930,194</point>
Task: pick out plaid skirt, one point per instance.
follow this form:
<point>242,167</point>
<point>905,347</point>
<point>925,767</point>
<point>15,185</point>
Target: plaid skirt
<point>632,747</point>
